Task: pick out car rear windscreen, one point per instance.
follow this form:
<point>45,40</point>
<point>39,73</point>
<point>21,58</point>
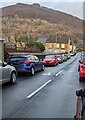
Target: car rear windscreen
<point>17,58</point>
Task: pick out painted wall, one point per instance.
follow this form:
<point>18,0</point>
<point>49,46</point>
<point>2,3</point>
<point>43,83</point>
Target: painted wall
<point>1,51</point>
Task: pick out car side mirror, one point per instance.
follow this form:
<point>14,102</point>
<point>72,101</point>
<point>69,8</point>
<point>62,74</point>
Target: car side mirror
<point>80,61</point>
<point>4,64</point>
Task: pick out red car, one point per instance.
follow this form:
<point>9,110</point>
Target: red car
<point>50,60</point>
<point>81,70</point>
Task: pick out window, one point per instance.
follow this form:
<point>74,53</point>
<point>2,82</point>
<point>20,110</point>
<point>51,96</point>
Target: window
<point>17,58</point>
<point>52,45</point>
<point>32,58</point>
<point>36,58</point>
<point>62,45</point>
<point>57,45</point>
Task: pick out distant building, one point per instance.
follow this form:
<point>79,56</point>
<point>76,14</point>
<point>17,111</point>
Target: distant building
<point>80,47</point>
<point>42,40</point>
<point>59,45</point>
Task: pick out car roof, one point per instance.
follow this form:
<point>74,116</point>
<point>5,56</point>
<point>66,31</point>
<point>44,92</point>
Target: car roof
<point>20,56</point>
<point>58,55</point>
<point>50,55</point>
<point>27,56</point>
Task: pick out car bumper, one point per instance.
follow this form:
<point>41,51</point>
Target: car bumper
<point>24,70</point>
<point>52,63</point>
<point>60,61</point>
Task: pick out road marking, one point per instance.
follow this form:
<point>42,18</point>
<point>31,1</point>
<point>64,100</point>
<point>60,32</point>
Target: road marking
<point>59,72</point>
<point>47,74</point>
<point>36,91</point>
<point>70,71</point>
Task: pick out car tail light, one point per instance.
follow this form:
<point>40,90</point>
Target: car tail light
<point>27,62</point>
<point>44,60</point>
<point>82,66</point>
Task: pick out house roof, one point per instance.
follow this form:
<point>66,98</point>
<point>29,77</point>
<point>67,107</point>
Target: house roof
<point>79,45</point>
<point>42,40</point>
<point>58,40</point>
<point>54,40</point>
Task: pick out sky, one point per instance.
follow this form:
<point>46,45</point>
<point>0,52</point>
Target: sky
<point>73,7</point>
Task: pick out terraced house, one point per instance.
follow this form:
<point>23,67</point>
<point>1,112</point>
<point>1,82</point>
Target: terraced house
<point>59,45</point>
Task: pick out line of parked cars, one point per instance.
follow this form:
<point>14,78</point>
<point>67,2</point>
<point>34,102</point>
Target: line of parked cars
<point>28,64</point>
<point>55,59</point>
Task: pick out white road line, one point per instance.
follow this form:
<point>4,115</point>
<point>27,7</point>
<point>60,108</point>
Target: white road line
<point>47,74</point>
<point>59,72</point>
<point>36,91</point>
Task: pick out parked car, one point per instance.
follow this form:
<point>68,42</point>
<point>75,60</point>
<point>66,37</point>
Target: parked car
<point>81,69</point>
<point>82,54</point>
<point>64,56</point>
<point>50,60</point>
<point>60,58</point>
<point>8,73</point>
<point>27,64</point>
<point>72,53</point>
<point>68,56</point>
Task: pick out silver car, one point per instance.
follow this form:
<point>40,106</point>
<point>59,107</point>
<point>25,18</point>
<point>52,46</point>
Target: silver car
<point>7,73</point>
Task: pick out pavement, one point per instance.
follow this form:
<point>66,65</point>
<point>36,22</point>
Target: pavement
<point>47,94</point>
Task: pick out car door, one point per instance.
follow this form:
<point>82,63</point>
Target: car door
<point>5,73</point>
<point>38,63</point>
<point>33,62</point>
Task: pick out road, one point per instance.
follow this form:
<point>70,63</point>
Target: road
<point>47,94</point>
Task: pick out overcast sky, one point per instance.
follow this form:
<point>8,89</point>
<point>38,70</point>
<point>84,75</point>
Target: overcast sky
<point>73,7</point>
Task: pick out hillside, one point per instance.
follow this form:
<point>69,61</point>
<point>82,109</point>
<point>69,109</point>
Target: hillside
<point>37,21</point>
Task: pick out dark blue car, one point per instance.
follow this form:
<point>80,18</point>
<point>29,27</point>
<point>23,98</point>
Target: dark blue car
<point>27,64</point>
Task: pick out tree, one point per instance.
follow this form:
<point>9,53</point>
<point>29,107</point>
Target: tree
<point>75,41</point>
<point>40,46</point>
<point>23,38</point>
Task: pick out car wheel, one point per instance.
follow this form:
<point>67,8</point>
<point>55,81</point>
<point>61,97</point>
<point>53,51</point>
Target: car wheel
<point>32,71</point>
<point>43,68</point>
<point>13,78</point>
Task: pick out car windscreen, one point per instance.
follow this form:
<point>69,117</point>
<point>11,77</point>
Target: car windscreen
<point>83,59</point>
<point>83,55</point>
<point>58,56</point>
<point>17,58</point>
<point>49,57</point>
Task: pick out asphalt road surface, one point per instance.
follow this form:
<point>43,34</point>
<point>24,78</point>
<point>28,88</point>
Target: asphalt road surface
<point>47,94</point>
